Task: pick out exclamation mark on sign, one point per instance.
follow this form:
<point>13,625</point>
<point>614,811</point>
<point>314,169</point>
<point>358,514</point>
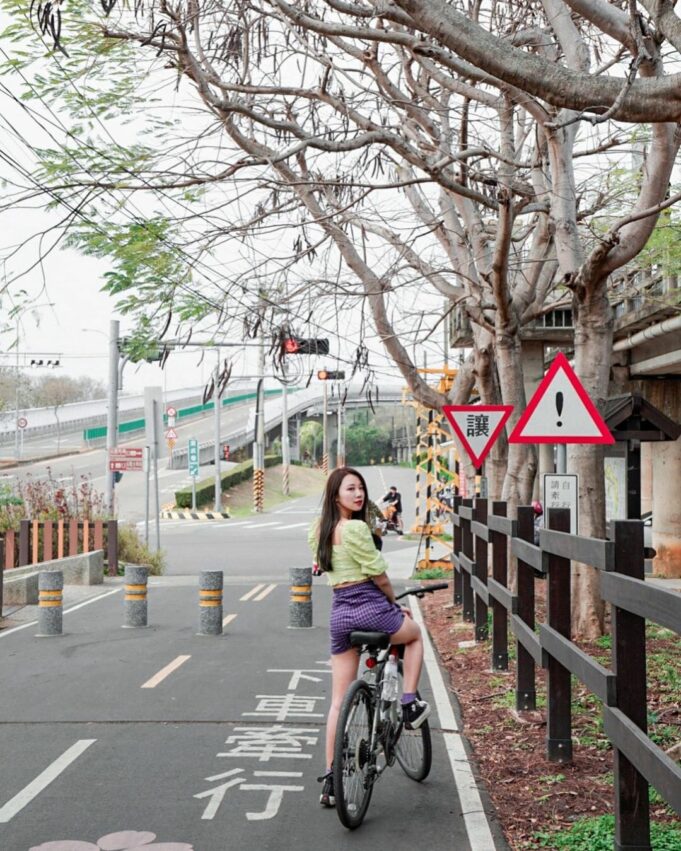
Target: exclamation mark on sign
<point>559,407</point>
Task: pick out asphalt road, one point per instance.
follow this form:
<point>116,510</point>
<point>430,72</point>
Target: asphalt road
<point>207,743</point>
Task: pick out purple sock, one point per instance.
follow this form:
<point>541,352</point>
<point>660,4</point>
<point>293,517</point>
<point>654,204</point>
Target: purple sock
<point>407,697</point>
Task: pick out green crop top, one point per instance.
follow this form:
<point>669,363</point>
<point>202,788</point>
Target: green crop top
<point>355,558</point>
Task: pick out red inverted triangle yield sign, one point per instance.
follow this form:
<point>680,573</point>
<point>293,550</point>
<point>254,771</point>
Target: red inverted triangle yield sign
<point>477,427</point>
<point>560,411</point>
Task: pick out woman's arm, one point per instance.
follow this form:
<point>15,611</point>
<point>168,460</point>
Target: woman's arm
<point>383,583</point>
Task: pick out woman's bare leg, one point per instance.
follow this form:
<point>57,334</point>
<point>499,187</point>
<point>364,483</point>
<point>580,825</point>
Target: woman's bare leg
<point>343,672</point>
<point>409,634</point>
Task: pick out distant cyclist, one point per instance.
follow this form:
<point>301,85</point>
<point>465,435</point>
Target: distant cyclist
<point>394,499</point>
<point>363,599</point>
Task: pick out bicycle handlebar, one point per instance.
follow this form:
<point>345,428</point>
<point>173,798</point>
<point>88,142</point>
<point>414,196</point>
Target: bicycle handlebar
<point>422,590</point>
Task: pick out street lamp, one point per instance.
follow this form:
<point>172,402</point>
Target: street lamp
<point>17,451</point>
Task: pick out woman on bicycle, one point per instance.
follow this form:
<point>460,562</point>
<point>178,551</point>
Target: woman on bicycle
<point>363,599</point>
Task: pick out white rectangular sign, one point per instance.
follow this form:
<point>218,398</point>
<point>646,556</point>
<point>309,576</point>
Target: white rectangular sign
<point>562,491</point>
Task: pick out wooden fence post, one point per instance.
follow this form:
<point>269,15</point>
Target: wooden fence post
<point>467,548</point>
<point>24,542</point>
<point>632,810</point>
<point>480,570</point>
<point>525,688</point>
<point>112,546</point>
<point>499,574</point>
<point>10,548</point>
<point>48,540</point>
<point>558,680</point>
<point>458,586</point>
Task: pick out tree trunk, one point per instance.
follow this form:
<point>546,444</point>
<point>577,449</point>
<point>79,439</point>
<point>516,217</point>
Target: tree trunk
<point>593,348</point>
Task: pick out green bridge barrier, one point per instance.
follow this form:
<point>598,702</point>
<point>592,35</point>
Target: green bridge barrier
<point>99,432</point>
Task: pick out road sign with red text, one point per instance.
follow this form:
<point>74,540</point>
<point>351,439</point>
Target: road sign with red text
<point>126,459</point>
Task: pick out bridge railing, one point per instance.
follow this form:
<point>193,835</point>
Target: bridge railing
<point>622,687</point>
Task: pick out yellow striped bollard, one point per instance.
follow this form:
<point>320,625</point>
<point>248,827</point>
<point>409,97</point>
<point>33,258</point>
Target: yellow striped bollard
<point>211,583</point>
<point>136,580</point>
<point>50,603</point>
<point>300,606</point>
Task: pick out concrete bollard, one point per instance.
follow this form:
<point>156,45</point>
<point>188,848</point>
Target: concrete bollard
<point>136,578</point>
<point>50,602</point>
<point>211,583</point>
<point>300,606</point>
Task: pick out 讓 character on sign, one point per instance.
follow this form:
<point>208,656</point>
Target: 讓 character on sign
<point>363,598</point>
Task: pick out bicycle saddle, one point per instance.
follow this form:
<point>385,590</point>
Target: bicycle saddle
<point>360,638</point>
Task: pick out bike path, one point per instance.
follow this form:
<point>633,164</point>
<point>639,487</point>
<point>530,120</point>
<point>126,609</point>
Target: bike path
<point>239,724</point>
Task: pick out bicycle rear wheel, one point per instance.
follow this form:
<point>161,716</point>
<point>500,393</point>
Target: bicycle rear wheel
<point>352,759</point>
<point>414,749</point>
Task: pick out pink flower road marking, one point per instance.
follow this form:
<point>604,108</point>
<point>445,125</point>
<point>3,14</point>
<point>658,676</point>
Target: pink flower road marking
<point>125,840</point>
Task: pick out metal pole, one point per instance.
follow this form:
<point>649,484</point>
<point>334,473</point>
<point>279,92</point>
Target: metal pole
<point>193,493</point>
<point>217,503</point>
<point>340,462</point>
<point>285,453</point>
<point>157,501</point>
<point>561,458</point>
<point>17,452</point>
<point>325,435</point>
<point>112,415</point>
<point>147,474</point>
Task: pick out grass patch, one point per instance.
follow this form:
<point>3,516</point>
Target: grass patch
<point>598,834</point>
<point>433,573</point>
<point>133,550</point>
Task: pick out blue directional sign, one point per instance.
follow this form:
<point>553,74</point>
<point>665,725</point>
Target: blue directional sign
<point>193,457</point>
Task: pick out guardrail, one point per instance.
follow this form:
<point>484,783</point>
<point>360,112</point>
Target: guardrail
<point>622,688</point>
<point>37,541</point>
<point>138,424</point>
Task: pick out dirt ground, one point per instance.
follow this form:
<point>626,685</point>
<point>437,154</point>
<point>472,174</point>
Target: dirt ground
<point>530,793</point>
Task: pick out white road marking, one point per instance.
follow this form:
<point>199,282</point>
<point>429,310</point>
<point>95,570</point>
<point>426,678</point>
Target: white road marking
<point>252,592</point>
<point>5,632</point>
<point>165,672</point>
<point>475,818</point>
<point>292,526</point>
<point>262,525</point>
<point>43,780</point>
<point>228,619</point>
<point>264,593</point>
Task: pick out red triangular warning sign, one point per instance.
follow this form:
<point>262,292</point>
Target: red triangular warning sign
<point>477,427</point>
<point>560,411</point>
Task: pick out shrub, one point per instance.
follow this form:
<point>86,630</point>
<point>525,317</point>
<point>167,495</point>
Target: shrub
<point>598,834</point>
<point>205,489</point>
<point>133,550</point>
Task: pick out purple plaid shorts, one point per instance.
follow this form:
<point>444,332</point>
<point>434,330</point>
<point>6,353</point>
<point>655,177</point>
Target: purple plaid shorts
<point>362,606</point>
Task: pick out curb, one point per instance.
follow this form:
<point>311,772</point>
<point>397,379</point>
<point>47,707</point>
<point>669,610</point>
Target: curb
<point>194,515</point>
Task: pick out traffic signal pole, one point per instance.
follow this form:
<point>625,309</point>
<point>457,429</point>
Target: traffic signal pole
<point>325,433</point>
<point>285,453</point>
<point>111,415</point>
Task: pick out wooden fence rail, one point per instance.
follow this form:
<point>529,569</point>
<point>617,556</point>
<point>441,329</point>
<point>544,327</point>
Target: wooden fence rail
<point>622,688</point>
<point>44,540</point>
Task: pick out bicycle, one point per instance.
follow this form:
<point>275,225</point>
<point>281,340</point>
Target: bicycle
<point>370,728</point>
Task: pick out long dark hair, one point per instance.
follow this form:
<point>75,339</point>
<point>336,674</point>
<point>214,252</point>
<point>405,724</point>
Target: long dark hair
<point>331,514</point>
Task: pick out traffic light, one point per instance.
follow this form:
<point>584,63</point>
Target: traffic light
<point>299,346</point>
<point>327,375</point>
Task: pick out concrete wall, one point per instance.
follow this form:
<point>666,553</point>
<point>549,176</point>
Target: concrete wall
<point>20,585</point>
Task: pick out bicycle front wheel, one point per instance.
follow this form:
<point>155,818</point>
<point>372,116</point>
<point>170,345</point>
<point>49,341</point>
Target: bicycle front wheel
<point>414,749</point>
<point>353,761</point>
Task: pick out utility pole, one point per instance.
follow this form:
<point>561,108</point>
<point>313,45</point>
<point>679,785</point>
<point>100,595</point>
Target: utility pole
<point>216,454</point>
<point>259,446</point>
<point>111,414</point>
<point>285,453</point>
<point>16,396</point>
<point>325,433</point>
<point>340,449</point>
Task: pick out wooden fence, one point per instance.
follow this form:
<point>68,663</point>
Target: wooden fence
<point>622,689</point>
<point>44,540</point>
